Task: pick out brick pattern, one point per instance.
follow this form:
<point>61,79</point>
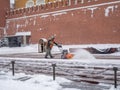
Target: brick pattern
<point>4,5</point>
<point>88,22</point>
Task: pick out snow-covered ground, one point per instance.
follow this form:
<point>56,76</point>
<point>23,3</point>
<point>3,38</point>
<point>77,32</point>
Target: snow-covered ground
<point>34,48</point>
<point>37,82</point>
<point>43,82</point>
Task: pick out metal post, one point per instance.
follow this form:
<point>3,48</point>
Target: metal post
<point>115,76</point>
<point>53,65</point>
<point>13,69</point>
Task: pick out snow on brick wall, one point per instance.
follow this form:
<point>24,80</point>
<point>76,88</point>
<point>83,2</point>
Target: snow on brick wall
<point>95,23</point>
<point>108,9</point>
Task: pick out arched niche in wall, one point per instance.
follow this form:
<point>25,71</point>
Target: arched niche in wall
<point>29,3</point>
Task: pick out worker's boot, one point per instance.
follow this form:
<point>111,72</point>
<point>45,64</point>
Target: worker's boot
<point>52,56</point>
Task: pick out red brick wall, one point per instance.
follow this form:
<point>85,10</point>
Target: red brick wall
<point>4,5</point>
<point>1,33</point>
<point>95,22</point>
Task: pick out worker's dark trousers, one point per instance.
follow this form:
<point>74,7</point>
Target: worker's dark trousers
<point>48,53</point>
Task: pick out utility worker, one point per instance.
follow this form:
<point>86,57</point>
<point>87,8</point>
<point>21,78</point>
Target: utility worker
<point>50,44</point>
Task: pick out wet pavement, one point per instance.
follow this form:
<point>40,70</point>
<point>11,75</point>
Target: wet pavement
<point>85,86</point>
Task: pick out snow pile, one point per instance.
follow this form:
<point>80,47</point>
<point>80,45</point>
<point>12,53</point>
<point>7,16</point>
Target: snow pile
<point>37,82</point>
<point>83,54</point>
